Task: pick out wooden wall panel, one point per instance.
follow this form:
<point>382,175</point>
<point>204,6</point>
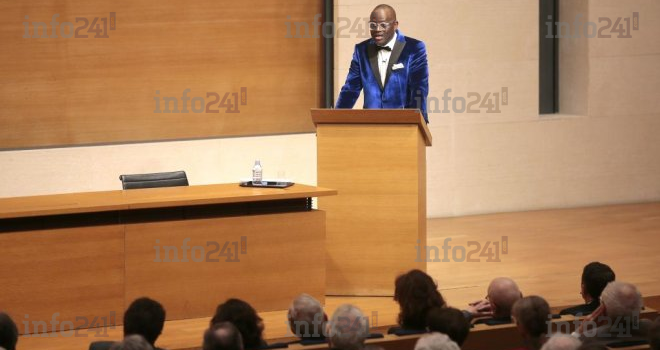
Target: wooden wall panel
<point>65,91</point>
<point>284,257</point>
<point>69,275</point>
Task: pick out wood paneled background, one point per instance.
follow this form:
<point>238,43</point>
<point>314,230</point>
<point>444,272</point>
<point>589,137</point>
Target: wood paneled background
<point>68,91</point>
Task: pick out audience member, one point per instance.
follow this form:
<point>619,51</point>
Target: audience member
<point>532,315</point>
<point>347,329</point>
<point>449,321</point>
<point>132,342</point>
<point>503,292</point>
<point>435,341</point>
<point>416,293</point>
<point>222,336</point>
<point>245,318</point>
<point>144,317</point>
<point>8,332</point>
<point>617,318</point>
<point>595,276</point>
<point>307,319</point>
<point>654,335</point>
<point>561,342</point>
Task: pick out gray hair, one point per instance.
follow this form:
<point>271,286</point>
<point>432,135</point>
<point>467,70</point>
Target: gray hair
<point>621,299</point>
<point>348,328</point>
<point>562,342</point>
<point>306,316</point>
<point>436,341</point>
<point>132,342</point>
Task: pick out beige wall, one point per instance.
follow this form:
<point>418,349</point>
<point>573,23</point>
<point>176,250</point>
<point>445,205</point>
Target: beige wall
<point>97,168</point>
<point>603,149</point>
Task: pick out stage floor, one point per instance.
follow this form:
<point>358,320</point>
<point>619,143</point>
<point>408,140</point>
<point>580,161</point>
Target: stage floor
<point>545,253</point>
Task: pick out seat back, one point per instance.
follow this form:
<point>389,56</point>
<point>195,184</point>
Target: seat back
<point>168,179</point>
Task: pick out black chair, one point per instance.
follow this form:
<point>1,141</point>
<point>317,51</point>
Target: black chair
<point>169,179</point>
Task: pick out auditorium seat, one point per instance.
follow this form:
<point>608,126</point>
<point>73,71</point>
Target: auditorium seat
<point>482,336</point>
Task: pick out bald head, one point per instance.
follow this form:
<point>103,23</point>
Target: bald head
<point>223,336</point>
<point>389,10</point>
<point>503,292</point>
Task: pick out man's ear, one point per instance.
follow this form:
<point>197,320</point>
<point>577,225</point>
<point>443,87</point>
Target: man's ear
<point>493,308</point>
<point>583,291</point>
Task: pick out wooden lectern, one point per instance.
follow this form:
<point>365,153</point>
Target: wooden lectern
<point>376,159</point>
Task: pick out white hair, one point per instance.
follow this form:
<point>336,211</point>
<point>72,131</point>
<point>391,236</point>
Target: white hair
<point>306,316</point>
<point>348,328</point>
<point>132,342</point>
<point>562,342</point>
<point>621,300</point>
<point>436,341</point>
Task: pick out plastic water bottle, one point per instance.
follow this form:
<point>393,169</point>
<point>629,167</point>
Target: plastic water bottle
<point>256,173</point>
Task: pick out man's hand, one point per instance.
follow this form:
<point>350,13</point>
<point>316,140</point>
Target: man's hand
<point>480,308</point>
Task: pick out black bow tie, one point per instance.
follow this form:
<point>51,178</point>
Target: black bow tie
<point>387,48</point>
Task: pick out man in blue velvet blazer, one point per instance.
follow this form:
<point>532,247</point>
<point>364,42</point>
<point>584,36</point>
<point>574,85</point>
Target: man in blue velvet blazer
<point>391,69</point>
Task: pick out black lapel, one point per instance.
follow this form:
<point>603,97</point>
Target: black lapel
<point>372,52</point>
<point>394,57</point>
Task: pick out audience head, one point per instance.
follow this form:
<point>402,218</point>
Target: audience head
<point>306,317</point>
<point>416,293</point>
<point>435,341</point>
<point>348,328</point>
<point>532,314</point>
<point>621,300</point>
<point>503,292</point>
<point>654,335</point>
<point>595,277</point>
<point>132,342</point>
<point>449,321</point>
<point>561,342</point>
<point>8,332</point>
<point>145,317</point>
<point>245,318</point>
<point>222,336</point>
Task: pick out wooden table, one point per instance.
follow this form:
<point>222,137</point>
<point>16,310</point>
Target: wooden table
<point>80,259</point>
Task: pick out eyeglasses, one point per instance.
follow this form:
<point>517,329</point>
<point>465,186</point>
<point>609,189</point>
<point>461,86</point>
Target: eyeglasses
<point>381,25</point>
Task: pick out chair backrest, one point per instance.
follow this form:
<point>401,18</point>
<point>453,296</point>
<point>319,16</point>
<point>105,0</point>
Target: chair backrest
<point>169,179</point>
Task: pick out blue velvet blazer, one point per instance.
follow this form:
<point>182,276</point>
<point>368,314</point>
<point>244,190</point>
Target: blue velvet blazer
<point>406,81</point>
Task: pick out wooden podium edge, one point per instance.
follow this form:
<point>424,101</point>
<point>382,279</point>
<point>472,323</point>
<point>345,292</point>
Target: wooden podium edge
<point>373,116</point>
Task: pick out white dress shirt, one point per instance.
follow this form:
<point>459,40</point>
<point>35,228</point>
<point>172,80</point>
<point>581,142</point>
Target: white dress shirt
<point>384,58</point>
